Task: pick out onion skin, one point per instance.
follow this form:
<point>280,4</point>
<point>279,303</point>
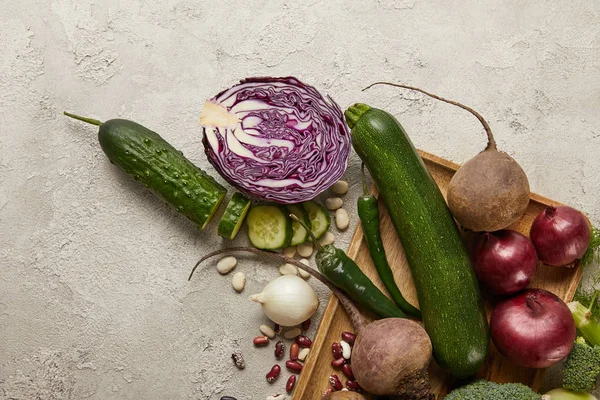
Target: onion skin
<point>533,329</point>
<point>560,235</point>
<point>505,261</point>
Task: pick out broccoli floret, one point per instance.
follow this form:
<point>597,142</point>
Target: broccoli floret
<point>582,367</point>
<point>484,390</point>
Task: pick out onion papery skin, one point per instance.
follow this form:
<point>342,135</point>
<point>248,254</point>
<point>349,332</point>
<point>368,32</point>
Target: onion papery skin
<point>289,145</point>
<point>561,235</point>
<point>533,329</point>
<point>505,261</point>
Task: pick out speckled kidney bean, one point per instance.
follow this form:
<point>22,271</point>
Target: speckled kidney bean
<point>293,366</point>
<point>273,373</point>
<point>279,349</point>
<point>306,325</point>
<point>349,337</point>
<point>277,329</point>
<point>347,370</point>
<point>335,382</point>
<point>238,359</point>
<point>303,341</point>
<point>353,386</point>
<point>336,349</point>
<point>338,362</point>
<point>291,382</point>
<point>294,351</point>
<point>260,341</point>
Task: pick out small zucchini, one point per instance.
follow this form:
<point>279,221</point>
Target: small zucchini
<point>234,216</point>
<point>447,288</point>
<point>163,169</point>
<point>318,216</point>
<point>300,235</point>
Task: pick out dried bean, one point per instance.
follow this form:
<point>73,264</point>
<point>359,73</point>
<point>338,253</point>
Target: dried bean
<point>342,220</point>
<point>336,349</point>
<point>346,350</point>
<point>238,359</point>
<point>277,329</point>
<point>305,325</point>
<point>238,281</point>
<point>226,264</point>
<point>328,391</point>
<point>289,386</point>
<point>303,274</point>
<point>347,369</point>
<point>338,362</point>
<point>303,341</point>
<point>335,382</point>
<point>261,341</point>
<point>340,187</point>
<point>267,331</point>
<point>333,203</point>
<point>279,349</point>
<point>292,333</point>
<point>277,397</point>
<point>228,398</point>
<point>289,252</point>
<point>328,238</point>
<point>293,366</point>
<point>305,249</point>
<point>294,351</point>
<point>349,338</point>
<point>273,373</point>
<point>288,269</point>
<point>353,386</point>
<point>303,354</point>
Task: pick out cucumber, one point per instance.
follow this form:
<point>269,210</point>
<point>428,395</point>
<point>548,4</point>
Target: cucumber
<point>269,227</point>
<point>234,216</point>
<point>449,298</point>
<point>147,157</point>
<point>318,216</point>
<point>299,234</point>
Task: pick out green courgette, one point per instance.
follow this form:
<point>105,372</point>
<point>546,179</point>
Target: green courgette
<point>449,298</point>
<point>318,216</point>
<point>269,226</point>
<point>300,234</point>
<point>163,169</point>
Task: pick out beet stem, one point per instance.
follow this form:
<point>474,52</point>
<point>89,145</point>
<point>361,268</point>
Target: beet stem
<point>357,319</point>
<point>491,142</point>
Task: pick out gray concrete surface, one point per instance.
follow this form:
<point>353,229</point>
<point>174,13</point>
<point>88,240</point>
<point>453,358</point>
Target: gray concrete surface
<point>94,301</point>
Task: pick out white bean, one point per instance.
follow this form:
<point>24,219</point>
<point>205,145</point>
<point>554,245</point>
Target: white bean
<point>305,249</point>
<point>303,274</point>
<point>340,187</point>
<point>267,331</point>
<point>292,333</point>
<point>328,238</point>
<point>289,251</point>
<point>226,264</point>
<point>238,281</point>
<point>288,269</point>
<point>303,354</point>
<point>342,220</point>
<point>333,203</point>
<point>346,350</point>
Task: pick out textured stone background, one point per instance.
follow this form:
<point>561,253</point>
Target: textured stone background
<point>94,301</point>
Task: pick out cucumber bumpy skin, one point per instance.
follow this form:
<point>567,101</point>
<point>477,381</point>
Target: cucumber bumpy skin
<point>150,159</point>
<point>447,289</point>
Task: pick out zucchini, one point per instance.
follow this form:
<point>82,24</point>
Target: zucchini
<point>163,169</point>
<point>318,216</point>
<point>234,216</point>
<point>269,227</point>
<point>449,298</point>
<point>299,234</point>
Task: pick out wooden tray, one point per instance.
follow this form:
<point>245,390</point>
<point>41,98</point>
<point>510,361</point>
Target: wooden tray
<point>314,378</point>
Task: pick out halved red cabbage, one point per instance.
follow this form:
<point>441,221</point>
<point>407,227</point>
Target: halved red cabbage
<point>276,139</point>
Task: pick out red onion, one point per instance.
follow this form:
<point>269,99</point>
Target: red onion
<point>505,261</point>
<point>534,329</point>
<point>560,235</point>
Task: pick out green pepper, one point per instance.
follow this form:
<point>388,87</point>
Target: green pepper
<point>342,271</point>
<point>368,212</point>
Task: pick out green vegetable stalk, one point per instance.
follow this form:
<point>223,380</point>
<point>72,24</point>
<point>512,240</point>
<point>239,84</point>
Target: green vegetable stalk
<point>587,325</point>
<point>368,212</point>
